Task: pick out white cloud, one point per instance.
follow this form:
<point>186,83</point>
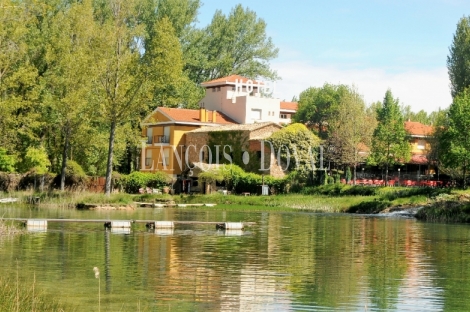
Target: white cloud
<point>421,89</point>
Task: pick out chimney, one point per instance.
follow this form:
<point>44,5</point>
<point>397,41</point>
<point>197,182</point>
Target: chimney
<point>202,115</point>
<point>214,116</point>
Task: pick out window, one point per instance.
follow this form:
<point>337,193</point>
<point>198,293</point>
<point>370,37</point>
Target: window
<point>256,114</point>
<point>421,144</point>
<point>149,135</point>
<point>213,90</point>
<point>218,89</point>
<point>166,158</point>
<point>148,158</point>
<point>283,116</point>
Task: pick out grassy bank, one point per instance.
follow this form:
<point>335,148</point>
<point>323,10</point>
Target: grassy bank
<point>329,198</point>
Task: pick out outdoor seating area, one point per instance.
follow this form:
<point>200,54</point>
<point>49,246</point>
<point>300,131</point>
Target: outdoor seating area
<point>396,182</point>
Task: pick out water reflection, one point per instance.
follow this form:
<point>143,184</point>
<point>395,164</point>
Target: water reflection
<point>288,261</point>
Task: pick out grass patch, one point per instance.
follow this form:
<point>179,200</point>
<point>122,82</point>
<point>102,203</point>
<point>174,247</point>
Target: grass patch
<point>16,296</point>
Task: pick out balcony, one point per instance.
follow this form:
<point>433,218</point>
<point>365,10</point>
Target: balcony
<point>161,139</point>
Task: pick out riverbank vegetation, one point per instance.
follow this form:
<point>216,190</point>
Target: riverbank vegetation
<point>20,296</point>
<point>327,198</point>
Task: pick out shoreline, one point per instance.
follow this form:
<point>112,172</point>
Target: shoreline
<point>438,205</point>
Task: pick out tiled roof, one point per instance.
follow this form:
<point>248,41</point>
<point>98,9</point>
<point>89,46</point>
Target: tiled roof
<point>237,127</point>
<point>229,79</point>
<point>192,115</point>
<point>418,129</point>
<point>289,106</point>
<point>418,160</point>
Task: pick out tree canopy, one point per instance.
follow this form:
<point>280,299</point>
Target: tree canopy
<point>71,71</point>
<point>454,137</point>
<point>389,142</point>
<point>458,60</point>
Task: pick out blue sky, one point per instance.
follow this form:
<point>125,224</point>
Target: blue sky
<point>373,45</point>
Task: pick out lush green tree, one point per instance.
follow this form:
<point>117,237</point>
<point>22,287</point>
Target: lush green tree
<point>390,141</point>
<point>36,160</point>
<point>295,146</point>
<point>454,140</point>
<point>121,74</point>
<point>233,44</point>
<point>7,162</point>
<point>18,78</point>
<point>162,50</point>
<point>458,61</point>
<point>318,106</point>
<point>70,50</point>
<point>182,15</point>
<point>351,131</point>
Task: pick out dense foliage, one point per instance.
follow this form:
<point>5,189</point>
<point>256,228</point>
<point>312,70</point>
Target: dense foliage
<point>136,180</point>
<point>76,78</point>
<point>390,141</point>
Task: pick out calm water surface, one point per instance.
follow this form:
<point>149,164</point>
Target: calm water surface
<point>286,262</point>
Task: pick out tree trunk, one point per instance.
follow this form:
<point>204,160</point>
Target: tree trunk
<point>64,161</point>
<point>386,175</point>
<point>465,175</point>
<point>355,172</point>
<point>109,167</point>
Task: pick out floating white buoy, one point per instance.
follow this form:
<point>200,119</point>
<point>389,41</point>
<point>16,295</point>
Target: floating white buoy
<point>120,224</point>
<point>164,224</point>
<point>233,225</point>
<point>36,223</point>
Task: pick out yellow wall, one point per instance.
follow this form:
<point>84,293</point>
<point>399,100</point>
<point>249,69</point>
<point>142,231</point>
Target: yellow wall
<point>177,133</point>
<point>414,142</point>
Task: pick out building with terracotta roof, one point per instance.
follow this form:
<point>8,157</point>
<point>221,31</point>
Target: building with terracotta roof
<point>234,103</point>
<point>246,101</point>
<point>287,111</point>
<point>420,137</point>
<point>164,131</point>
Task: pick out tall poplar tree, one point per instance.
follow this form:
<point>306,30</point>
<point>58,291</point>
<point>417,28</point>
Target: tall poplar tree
<point>458,61</point>
<point>70,50</point>
<point>233,44</point>
<point>390,141</point>
<point>351,131</point>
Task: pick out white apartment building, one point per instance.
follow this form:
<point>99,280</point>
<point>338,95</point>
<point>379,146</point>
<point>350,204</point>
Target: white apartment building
<point>245,100</point>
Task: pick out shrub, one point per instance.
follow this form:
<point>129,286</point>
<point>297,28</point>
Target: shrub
<point>136,180</point>
<point>75,176</point>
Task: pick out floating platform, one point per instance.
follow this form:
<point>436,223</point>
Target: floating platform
<point>127,224</point>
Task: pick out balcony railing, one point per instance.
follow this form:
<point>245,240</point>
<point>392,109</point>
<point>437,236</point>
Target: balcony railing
<point>161,139</point>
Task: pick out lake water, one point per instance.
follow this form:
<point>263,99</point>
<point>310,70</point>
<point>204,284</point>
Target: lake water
<point>286,262</point>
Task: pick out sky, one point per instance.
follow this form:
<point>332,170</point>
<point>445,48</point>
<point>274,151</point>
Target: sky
<point>373,45</point>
